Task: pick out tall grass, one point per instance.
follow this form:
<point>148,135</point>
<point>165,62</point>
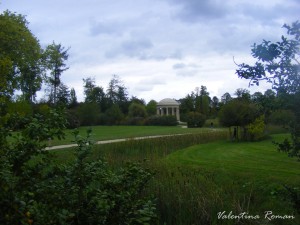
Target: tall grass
<point>187,193</point>
<point>154,148</point>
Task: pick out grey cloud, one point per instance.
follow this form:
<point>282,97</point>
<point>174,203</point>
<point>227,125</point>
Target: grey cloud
<point>186,70</point>
<point>131,48</point>
<point>105,27</point>
<point>179,66</point>
<point>195,10</point>
<point>269,14</point>
<point>148,84</point>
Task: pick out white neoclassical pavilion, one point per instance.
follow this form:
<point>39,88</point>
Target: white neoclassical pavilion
<point>168,106</point>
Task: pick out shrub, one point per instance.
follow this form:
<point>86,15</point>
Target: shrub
<point>72,118</point>
<point>88,114</point>
<point>256,130</point>
<point>137,110</point>
<point>139,121</point>
<point>195,119</point>
<point>282,117</point>
<point>114,115</point>
<point>35,190</point>
<point>161,121</point>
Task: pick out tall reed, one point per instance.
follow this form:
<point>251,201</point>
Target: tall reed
<point>153,148</point>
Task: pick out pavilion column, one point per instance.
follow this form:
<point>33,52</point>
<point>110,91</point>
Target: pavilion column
<point>177,113</point>
<point>167,109</point>
<point>158,111</point>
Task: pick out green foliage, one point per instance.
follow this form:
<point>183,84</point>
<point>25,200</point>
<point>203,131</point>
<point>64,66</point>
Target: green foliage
<point>88,114</point>
<point>137,110</point>
<point>195,119</point>
<point>278,64</point>
<point>151,108</point>
<point>136,121</point>
<point>21,62</point>
<point>161,121</point>
<point>20,110</point>
<point>114,115</point>
<point>35,190</point>
<point>282,117</point>
<point>256,129</point>
<point>238,113</point>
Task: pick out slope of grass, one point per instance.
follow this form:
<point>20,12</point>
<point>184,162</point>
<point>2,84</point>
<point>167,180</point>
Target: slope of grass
<point>251,160</point>
<point>193,184</point>
<point>225,176</point>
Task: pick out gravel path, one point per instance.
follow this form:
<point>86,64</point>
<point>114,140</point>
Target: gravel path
<point>113,141</point>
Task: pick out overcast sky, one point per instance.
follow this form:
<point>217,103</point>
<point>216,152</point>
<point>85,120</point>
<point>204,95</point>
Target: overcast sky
<point>159,48</point>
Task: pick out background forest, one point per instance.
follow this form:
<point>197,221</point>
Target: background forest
<point>35,191</point>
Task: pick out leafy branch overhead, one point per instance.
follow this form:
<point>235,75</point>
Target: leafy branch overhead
<point>277,63</point>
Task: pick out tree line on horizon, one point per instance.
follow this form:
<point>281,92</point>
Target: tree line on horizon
<point>35,189</point>
<point>26,72</point>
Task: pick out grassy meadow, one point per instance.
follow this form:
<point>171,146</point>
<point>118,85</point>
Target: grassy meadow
<point>201,174</point>
<point>116,132</point>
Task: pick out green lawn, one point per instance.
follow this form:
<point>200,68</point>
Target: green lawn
<point>116,132</point>
<point>251,160</point>
<point>192,184</point>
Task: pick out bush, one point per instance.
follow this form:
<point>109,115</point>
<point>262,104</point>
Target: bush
<point>35,190</point>
<point>256,130</point>
<point>282,117</point>
<point>195,119</point>
<point>114,115</point>
<point>161,121</point>
<point>88,114</point>
<point>139,121</point>
<point>72,118</point>
<point>137,110</point>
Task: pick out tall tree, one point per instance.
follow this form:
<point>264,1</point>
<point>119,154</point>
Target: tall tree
<point>278,63</point>
<point>63,96</point>
<point>117,93</point>
<point>73,98</point>
<point>56,56</point>
<point>94,93</point>
<point>20,56</point>
<point>215,106</point>
<point>226,98</point>
<point>202,100</point>
<point>243,94</point>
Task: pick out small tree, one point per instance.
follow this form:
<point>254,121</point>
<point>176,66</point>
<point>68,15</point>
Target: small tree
<point>278,63</point>
<point>256,129</point>
<point>239,114</point>
<point>137,110</point>
<point>151,108</point>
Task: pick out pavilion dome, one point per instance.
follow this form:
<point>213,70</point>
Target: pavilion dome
<point>168,102</point>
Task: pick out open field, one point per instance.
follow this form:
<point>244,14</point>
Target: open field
<point>116,132</point>
<point>199,175</point>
